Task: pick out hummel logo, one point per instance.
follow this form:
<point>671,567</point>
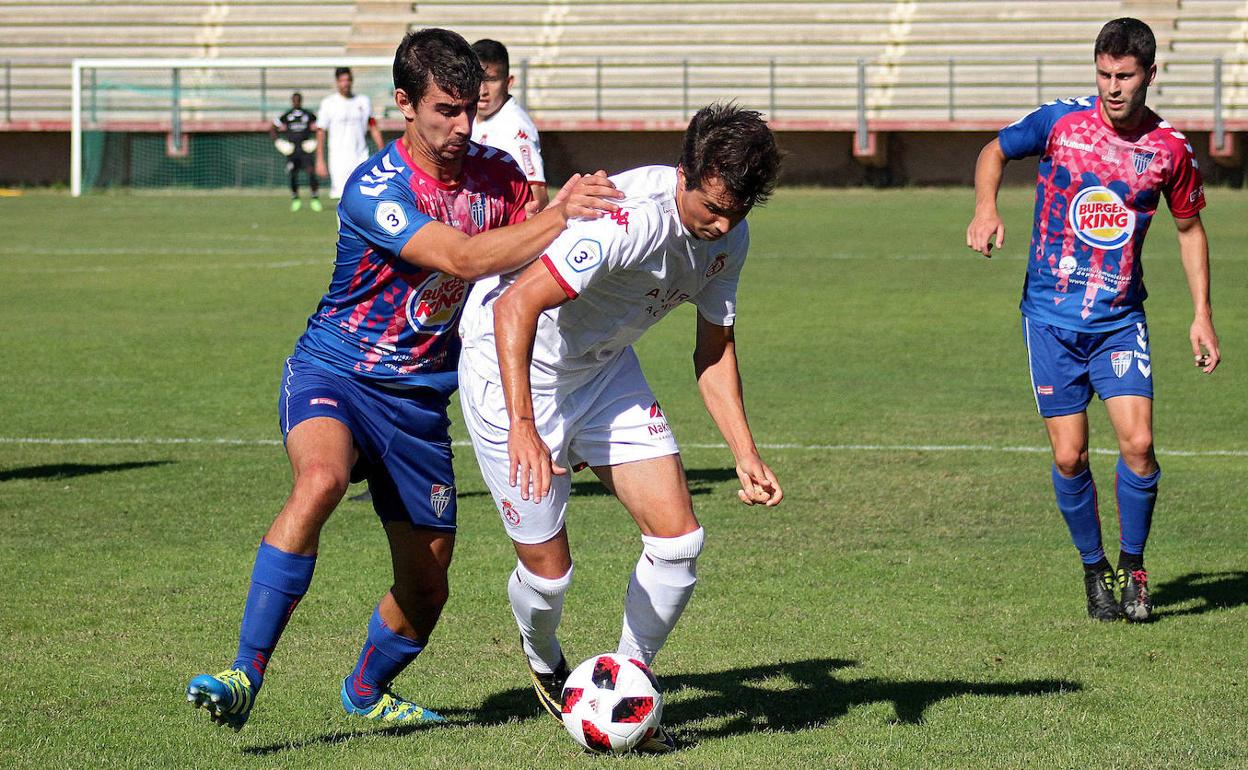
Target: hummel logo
<point>1066,141</point>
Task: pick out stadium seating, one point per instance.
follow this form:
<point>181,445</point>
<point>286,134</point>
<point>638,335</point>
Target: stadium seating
<point>39,39</point>
<point>587,61</point>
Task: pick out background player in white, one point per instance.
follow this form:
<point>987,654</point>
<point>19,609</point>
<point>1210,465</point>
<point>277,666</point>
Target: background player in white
<point>344,117</point>
<point>548,367</point>
<point>501,121</point>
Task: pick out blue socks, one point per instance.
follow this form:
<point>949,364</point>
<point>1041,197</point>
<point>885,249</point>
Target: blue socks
<point>278,581</point>
<point>1076,499</point>
<point>1136,497</point>
<point>383,656</point>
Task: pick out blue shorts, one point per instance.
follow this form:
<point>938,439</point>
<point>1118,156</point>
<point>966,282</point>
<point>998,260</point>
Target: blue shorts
<point>1067,367</point>
<point>402,436</point>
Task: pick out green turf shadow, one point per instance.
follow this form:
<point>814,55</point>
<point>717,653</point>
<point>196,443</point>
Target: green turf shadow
<point>785,697</point>
<point>58,471</point>
<point>1212,591</point>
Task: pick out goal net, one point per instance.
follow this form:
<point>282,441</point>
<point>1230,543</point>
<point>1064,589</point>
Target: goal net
<point>198,123</point>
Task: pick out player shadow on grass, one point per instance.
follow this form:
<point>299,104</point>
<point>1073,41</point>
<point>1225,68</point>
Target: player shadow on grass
<point>335,738</point>
<point>1212,591</point>
<point>785,697</point>
<point>60,471</point>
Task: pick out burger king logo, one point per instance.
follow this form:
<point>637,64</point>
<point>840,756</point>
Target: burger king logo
<point>1100,218</point>
<point>434,305</point>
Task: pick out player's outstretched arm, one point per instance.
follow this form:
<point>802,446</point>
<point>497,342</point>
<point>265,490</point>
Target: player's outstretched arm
<point>987,222</point>
<point>1194,253</point>
<point>719,380</point>
<point>516,314</point>
<point>440,247</point>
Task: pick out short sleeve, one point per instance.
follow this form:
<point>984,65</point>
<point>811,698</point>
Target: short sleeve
<point>326,112</point>
<point>1185,193</point>
<point>311,117</point>
<point>280,122</point>
<point>386,220</point>
<point>1029,135</point>
<point>521,196</point>
<point>717,301</point>
<point>591,249</point>
<point>529,150</point>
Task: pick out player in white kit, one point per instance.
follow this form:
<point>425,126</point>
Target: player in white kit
<point>549,381</point>
<point>502,123</point>
<point>344,117</point>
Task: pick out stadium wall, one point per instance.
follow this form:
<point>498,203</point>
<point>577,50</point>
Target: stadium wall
<point>820,158</point>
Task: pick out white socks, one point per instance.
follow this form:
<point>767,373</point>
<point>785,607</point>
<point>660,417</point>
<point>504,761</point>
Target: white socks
<point>660,588</point>
<point>537,603</point>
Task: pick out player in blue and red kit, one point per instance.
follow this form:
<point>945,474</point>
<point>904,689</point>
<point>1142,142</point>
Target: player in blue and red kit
<point>365,394</point>
<point>1105,162</point>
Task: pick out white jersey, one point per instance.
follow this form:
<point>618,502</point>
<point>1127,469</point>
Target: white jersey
<point>622,273</point>
<point>512,131</point>
<point>346,124</point>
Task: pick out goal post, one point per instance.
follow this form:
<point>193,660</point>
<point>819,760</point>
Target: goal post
<point>195,122</point>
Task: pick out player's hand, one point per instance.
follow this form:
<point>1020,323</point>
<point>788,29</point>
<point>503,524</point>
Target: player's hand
<point>587,196</point>
<point>982,230</point>
<point>531,464</point>
<point>1205,345</point>
<point>321,170</point>
<point>758,483</point>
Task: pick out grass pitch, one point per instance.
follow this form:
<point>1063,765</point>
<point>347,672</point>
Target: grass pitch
<point>911,604</point>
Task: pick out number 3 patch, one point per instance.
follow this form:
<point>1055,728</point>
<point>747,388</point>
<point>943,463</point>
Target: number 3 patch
<point>391,217</point>
<point>584,255</point>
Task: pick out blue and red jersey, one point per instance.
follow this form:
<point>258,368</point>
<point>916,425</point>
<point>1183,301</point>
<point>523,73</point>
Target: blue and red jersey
<point>384,318</point>
<point>1095,198</point>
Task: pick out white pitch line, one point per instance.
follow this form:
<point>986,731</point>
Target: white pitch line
<point>158,441</point>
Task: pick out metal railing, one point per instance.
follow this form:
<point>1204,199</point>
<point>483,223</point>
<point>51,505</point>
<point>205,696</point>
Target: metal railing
<point>858,95</point>
<point>604,90</point>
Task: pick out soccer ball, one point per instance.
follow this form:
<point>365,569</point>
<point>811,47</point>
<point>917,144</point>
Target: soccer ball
<point>611,703</point>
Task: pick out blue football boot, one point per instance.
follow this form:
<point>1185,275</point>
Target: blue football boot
<point>389,709</point>
<point>228,697</point>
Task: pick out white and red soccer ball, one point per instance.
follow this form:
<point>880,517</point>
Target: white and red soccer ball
<point>611,703</point>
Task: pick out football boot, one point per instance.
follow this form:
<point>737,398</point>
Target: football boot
<point>1102,605</point>
<point>1136,603</point>
<point>228,697</point>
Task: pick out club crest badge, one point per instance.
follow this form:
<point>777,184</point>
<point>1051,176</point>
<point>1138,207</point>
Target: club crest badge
<point>1121,361</point>
<point>476,208</point>
<point>510,514</point>
<point>1141,159</point>
<point>440,497</point>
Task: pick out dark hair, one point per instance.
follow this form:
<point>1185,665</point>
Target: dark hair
<point>734,145</point>
<point>1127,37</point>
<point>492,52</point>
<point>296,93</point>
<point>438,56</point>
<point>340,71</point>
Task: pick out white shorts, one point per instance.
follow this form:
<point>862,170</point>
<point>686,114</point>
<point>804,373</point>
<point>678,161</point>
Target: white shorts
<point>611,420</point>
<point>341,167</point>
